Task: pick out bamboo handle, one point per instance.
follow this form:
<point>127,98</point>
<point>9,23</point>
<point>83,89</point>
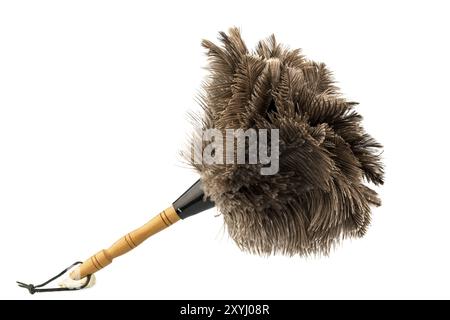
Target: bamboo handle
<point>130,241</point>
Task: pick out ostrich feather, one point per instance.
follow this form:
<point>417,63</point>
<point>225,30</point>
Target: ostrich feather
<point>319,195</point>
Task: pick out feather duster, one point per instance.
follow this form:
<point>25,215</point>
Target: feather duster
<point>316,197</point>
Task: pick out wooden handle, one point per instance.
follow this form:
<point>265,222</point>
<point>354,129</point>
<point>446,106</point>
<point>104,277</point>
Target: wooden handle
<point>130,241</point>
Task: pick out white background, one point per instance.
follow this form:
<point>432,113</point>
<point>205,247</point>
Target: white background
<point>93,104</point>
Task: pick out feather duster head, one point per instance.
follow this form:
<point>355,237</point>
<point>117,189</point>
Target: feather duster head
<point>318,196</point>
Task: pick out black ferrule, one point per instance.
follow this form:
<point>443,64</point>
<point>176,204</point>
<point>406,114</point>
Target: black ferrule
<point>191,202</point>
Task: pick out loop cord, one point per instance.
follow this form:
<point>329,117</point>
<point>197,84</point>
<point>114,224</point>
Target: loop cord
<point>33,289</point>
